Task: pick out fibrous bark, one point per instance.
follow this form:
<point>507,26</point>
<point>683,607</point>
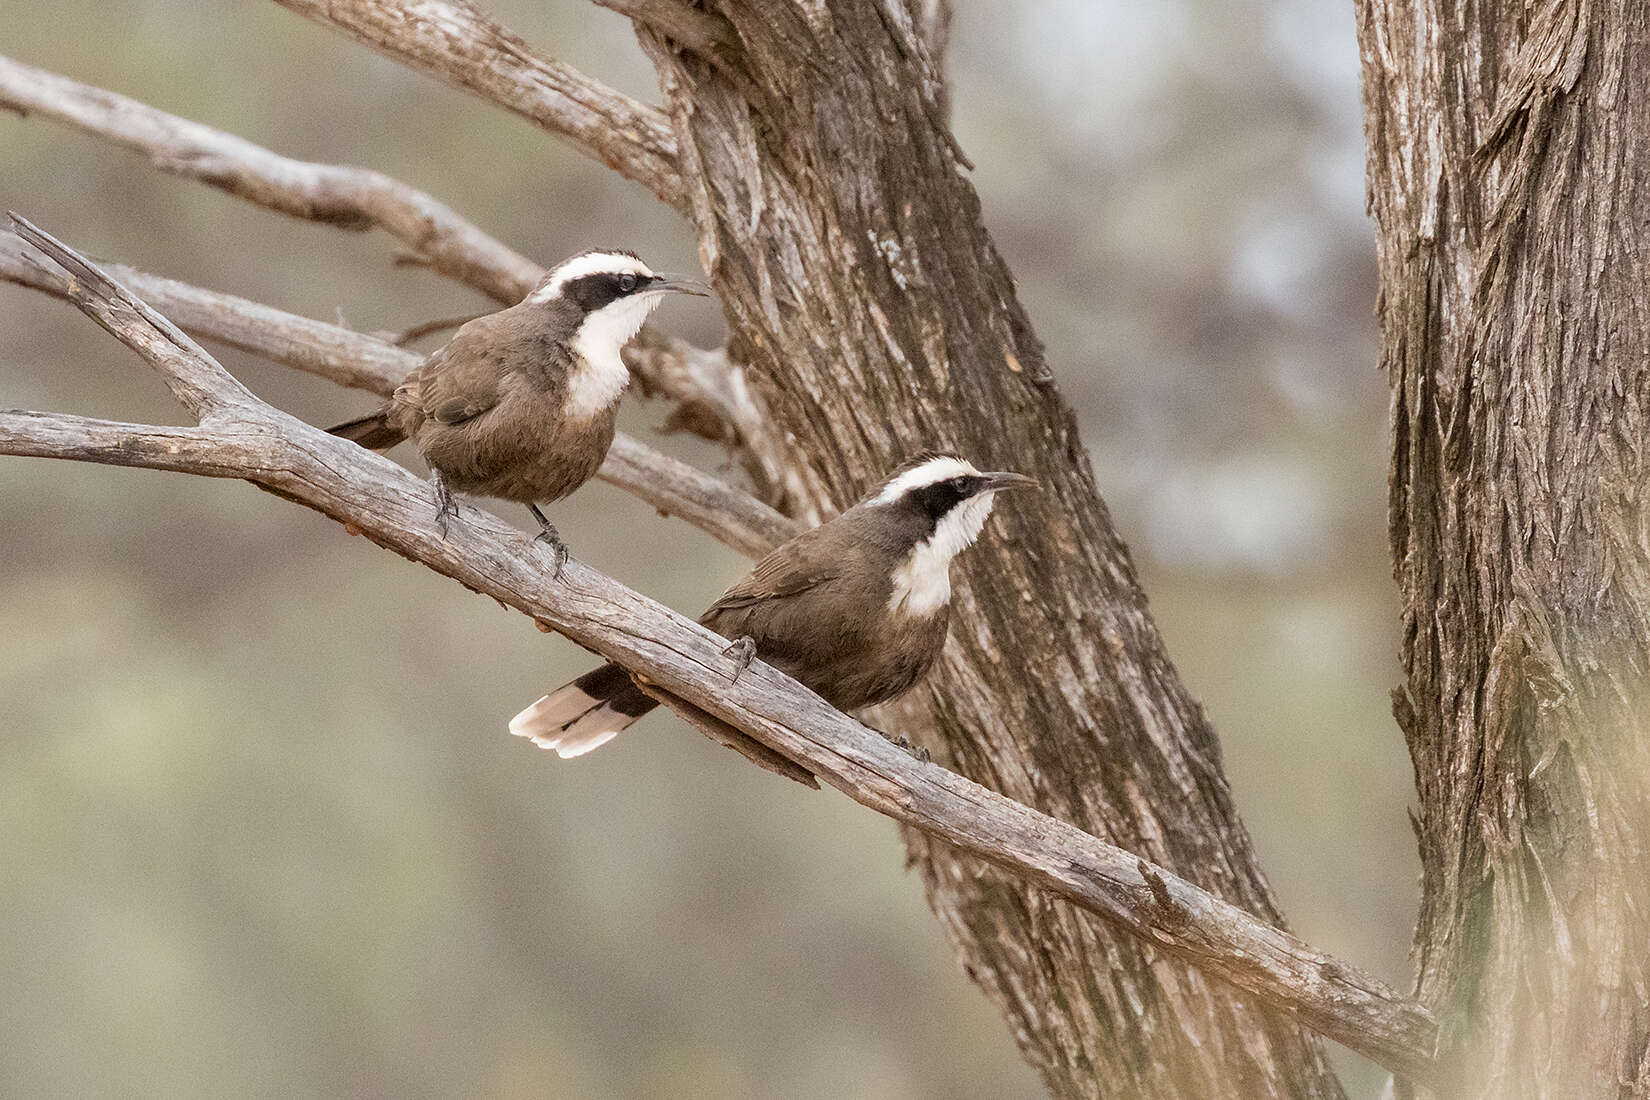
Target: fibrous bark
<point>868,301</point>
<point>1508,183</point>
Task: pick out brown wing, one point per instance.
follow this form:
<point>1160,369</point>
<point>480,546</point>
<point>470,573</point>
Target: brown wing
<point>799,566</point>
<point>460,380</point>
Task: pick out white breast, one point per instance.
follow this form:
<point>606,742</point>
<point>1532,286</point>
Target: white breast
<point>599,375</point>
<point>922,582</point>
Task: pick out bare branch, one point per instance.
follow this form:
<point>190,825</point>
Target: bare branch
<point>451,40</point>
<point>352,198</point>
<point>375,496</point>
<point>715,402</point>
<point>676,489</point>
<point>698,30</point>
<point>363,362</point>
<point>195,378</point>
<point>189,450</point>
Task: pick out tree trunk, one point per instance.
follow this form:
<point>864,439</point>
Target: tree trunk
<point>868,300</point>
<point>1507,186</point>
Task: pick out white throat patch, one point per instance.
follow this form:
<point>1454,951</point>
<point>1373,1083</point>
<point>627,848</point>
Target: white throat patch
<point>922,582</point>
<point>600,376</point>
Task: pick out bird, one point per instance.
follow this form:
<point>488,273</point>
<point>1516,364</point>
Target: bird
<point>857,608</point>
<point>521,404</point>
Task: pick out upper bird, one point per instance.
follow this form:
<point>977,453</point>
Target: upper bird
<point>856,609</point>
<point>521,404</point>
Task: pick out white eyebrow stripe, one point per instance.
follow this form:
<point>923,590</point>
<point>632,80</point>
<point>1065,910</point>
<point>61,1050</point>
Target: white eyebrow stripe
<point>935,469</point>
<point>590,263</point>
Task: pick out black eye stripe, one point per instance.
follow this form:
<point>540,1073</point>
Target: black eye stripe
<point>938,498</point>
<point>592,292</point>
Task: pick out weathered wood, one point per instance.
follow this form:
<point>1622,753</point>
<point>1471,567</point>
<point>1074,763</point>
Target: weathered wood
<point>355,359</point>
<point>452,41</point>
<point>250,440</point>
<point>1508,179</point>
<point>877,319</point>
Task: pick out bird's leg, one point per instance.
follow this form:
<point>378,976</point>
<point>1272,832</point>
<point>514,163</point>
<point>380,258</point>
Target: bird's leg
<point>548,535</point>
<point>445,506</point>
<point>743,652</point>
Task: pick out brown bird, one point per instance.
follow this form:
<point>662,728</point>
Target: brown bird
<point>857,608</point>
<point>521,404</point>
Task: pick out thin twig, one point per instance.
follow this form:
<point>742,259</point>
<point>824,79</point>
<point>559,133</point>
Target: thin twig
<point>428,328</point>
<point>452,41</point>
<point>676,655</point>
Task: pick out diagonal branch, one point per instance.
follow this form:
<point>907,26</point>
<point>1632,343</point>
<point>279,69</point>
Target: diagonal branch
<point>452,41</point>
<point>362,362</point>
<point>351,198</point>
<point>195,378</point>
<point>375,496</point>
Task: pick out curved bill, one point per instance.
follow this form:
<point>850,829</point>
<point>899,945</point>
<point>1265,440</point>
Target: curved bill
<point>681,284</point>
<point>1004,479</point>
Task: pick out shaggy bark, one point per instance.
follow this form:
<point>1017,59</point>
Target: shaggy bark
<point>1508,184</point>
<point>866,297</point>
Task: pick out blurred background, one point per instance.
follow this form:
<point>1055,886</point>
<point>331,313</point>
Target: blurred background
<point>263,830</point>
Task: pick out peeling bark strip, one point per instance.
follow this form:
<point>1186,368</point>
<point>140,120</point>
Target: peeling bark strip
<point>1508,178</point>
<point>241,437</point>
<point>868,301</point>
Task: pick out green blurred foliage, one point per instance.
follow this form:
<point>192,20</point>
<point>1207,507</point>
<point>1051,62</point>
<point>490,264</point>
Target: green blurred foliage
<point>264,833</point>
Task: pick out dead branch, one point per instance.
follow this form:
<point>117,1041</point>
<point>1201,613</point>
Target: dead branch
<point>452,41</point>
<point>367,492</point>
<point>351,198</point>
<point>364,362</point>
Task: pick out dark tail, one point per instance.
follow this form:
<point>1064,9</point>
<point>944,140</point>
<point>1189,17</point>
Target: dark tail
<point>584,715</point>
<point>374,432</point>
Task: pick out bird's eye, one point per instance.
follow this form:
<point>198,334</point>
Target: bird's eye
<point>627,283</point>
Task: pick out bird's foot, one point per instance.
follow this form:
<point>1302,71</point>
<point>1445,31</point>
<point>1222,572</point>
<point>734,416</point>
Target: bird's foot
<point>551,538</point>
<point>445,506</point>
<point>742,652</point>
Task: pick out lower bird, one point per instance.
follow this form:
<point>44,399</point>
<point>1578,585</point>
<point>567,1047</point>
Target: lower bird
<point>521,404</point>
<point>856,609</point>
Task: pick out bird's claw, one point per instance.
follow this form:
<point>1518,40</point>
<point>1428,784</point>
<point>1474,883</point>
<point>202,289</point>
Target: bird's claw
<point>445,506</point>
<point>742,652</point>
<point>548,535</point>
<point>558,550</point>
